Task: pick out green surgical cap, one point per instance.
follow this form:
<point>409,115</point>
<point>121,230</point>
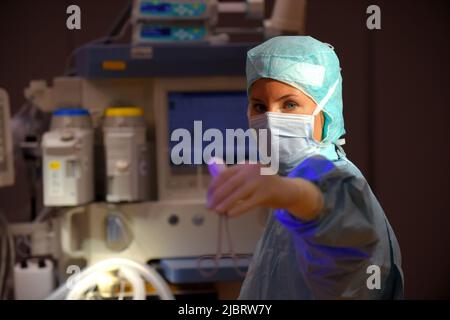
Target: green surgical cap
<point>308,65</point>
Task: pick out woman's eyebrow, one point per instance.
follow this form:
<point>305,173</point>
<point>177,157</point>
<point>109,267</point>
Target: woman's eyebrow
<point>280,98</point>
<point>287,96</point>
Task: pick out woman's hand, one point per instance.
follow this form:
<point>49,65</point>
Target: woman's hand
<point>242,188</point>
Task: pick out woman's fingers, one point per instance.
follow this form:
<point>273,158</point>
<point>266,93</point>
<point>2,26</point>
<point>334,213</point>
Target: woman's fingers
<point>224,190</point>
<point>244,206</point>
<point>242,192</point>
<point>223,177</point>
<point>232,186</point>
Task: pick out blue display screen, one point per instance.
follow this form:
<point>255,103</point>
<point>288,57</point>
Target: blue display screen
<point>215,110</point>
<point>155,7</point>
<point>154,31</point>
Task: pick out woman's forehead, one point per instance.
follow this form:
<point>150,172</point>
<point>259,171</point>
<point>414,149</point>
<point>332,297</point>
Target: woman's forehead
<point>266,87</point>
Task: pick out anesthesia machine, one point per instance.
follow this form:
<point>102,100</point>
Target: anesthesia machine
<point>119,218</point>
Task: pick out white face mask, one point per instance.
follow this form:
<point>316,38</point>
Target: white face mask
<point>291,134</point>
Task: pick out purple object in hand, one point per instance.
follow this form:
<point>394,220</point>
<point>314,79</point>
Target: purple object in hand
<point>216,166</point>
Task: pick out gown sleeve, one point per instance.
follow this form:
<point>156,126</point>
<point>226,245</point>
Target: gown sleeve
<point>336,248</point>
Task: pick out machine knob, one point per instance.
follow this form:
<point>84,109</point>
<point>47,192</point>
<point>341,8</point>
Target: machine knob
<point>118,233</point>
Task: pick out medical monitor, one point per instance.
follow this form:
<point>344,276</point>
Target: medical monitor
<point>189,119</point>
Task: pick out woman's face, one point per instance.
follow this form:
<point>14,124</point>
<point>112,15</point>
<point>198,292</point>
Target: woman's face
<point>268,95</point>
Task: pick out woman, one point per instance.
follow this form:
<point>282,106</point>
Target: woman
<point>328,237</point>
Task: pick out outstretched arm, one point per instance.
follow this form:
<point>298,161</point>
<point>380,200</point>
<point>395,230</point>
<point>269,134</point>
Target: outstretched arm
<point>241,188</point>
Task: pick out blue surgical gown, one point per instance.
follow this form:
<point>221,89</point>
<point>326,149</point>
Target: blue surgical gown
<point>329,257</point>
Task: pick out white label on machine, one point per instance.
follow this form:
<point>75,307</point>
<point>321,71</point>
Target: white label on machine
<point>56,177</point>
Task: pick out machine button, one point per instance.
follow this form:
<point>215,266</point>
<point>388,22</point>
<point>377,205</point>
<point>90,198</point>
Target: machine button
<point>198,219</point>
<point>173,219</point>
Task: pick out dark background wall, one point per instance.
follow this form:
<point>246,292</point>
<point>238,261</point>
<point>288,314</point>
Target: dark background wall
<point>395,96</point>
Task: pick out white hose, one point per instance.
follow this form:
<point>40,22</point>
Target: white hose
<point>59,293</point>
<point>89,281</point>
<point>130,269</point>
<point>136,282</point>
<point>82,285</point>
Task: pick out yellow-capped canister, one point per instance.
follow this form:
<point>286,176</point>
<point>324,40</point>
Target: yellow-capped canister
<point>124,112</point>
<point>126,153</point>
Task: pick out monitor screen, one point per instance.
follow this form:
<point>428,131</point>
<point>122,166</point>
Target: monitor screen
<point>208,110</point>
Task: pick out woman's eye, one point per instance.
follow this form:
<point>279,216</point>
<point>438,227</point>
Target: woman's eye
<point>260,108</point>
<point>290,105</point>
